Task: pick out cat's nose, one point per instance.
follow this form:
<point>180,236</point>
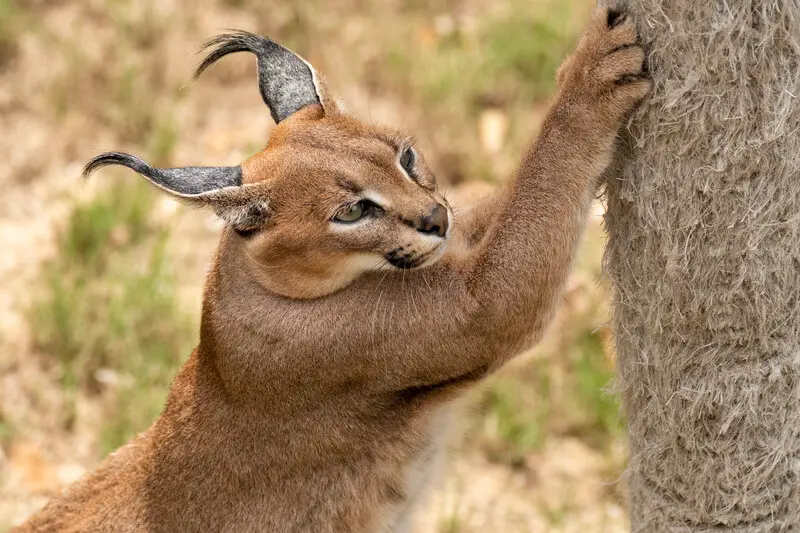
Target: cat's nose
<point>436,223</point>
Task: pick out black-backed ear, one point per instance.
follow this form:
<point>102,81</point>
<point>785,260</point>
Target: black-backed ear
<point>287,82</point>
<point>242,206</point>
<point>187,183</point>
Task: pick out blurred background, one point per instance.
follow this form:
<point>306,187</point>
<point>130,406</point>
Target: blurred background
<point>100,283</point>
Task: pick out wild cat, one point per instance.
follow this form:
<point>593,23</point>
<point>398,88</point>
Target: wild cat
<point>347,306</point>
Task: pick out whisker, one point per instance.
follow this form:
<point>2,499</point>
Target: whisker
<point>425,279</point>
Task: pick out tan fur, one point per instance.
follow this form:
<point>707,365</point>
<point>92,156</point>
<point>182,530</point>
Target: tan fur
<point>320,379</point>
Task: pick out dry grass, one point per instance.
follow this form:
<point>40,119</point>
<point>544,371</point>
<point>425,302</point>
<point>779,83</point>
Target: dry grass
<point>100,318</point>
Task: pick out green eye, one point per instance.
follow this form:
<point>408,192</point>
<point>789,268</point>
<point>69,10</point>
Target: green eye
<point>351,213</point>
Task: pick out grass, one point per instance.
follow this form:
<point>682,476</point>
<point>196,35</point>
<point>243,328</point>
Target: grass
<point>13,18</point>
<point>5,431</point>
<point>451,524</point>
<point>451,71</point>
<point>514,418</point>
<point>139,89</point>
<point>593,373</point>
<point>108,316</point>
<point>513,54</point>
<point>526,50</point>
<point>139,22</point>
<point>452,519</point>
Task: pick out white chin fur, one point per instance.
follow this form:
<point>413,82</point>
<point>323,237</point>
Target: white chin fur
<point>367,262</point>
<point>435,256</point>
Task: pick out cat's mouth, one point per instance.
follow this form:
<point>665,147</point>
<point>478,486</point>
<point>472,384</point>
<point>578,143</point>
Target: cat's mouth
<point>407,259</point>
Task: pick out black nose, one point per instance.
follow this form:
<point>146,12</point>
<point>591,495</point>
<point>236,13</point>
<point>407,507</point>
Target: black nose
<point>435,223</point>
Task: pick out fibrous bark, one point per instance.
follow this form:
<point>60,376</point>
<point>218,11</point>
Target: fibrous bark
<point>704,253</point>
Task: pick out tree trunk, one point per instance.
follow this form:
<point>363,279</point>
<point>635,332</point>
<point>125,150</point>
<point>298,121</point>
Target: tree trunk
<point>704,253</point>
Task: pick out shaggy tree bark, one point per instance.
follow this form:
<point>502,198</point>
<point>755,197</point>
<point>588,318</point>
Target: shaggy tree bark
<point>704,252</point>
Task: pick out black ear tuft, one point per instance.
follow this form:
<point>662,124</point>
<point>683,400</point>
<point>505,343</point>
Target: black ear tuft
<point>115,158</point>
<point>229,43</point>
<point>286,81</point>
<point>186,182</point>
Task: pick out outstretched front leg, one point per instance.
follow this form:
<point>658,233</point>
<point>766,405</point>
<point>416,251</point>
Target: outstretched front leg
<point>485,305</point>
<point>623,69</point>
<point>522,262</point>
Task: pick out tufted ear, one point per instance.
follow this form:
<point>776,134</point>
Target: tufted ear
<point>242,206</point>
<point>286,81</point>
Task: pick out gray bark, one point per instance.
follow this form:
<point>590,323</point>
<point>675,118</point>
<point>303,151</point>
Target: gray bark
<point>704,253</point>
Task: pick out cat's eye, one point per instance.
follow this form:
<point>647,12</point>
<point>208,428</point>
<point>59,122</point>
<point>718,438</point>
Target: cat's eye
<point>407,160</point>
<point>351,213</point>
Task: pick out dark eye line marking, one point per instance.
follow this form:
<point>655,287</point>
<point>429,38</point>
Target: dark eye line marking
<point>371,207</point>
